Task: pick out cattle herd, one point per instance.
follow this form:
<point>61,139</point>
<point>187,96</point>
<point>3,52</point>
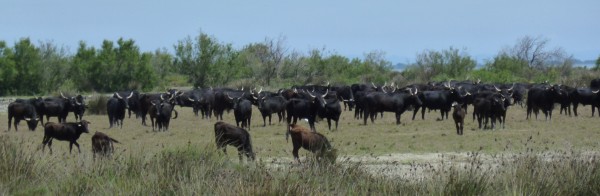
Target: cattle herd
<point>490,103</point>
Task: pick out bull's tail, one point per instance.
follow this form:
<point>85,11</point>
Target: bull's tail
<point>175,114</point>
<point>114,140</point>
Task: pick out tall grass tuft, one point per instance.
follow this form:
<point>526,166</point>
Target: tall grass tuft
<point>194,170</point>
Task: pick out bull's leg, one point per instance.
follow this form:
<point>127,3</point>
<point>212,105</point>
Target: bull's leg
<point>50,145</point>
<point>270,115</point>
<point>295,152</point>
<point>575,105</point>
<point>70,147</point>
<point>10,121</point>
<point>329,123</point>
<point>265,120</point>
<point>398,118</point>
<point>365,116</point>
<point>423,113</point>
<point>77,144</point>
<point>457,124</point>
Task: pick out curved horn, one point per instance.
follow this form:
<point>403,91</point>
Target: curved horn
<point>410,91</point>
<point>325,93</point>
<point>161,97</point>
<point>373,85</point>
<point>27,119</point>
<point>596,91</point>
<point>260,90</point>
<point>130,95</point>
<point>383,89</point>
<point>497,89</point>
<point>511,88</point>
<point>416,90</point>
<point>63,96</point>
<point>311,94</point>
<point>118,96</point>
<point>192,100</point>
<point>176,114</point>
<point>228,96</point>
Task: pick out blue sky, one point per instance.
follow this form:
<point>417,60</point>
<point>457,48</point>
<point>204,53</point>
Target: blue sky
<point>401,29</point>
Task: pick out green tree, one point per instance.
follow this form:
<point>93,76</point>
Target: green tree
<point>28,65</point>
<point>435,65</point>
<point>81,65</point>
<point>54,61</point>
<point>8,69</point>
<point>196,58</point>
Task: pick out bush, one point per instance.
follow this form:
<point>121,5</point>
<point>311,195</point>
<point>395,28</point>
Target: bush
<point>97,104</point>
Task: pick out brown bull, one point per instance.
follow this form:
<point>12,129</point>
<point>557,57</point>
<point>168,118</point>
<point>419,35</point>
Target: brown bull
<point>311,141</point>
<point>226,134</point>
<point>102,144</point>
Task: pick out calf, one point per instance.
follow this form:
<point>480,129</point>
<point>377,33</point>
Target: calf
<point>311,141</point>
<point>226,134</point>
<point>22,111</point>
<point>102,144</point>
<point>64,132</point>
<point>459,117</point>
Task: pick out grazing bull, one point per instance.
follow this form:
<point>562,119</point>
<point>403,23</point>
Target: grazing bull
<point>64,132</point>
<point>22,111</point>
<point>115,107</point>
<point>226,134</point>
<point>312,141</point>
<point>102,144</point>
<point>459,117</point>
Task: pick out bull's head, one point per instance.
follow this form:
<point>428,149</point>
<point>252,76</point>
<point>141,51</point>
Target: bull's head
<point>32,123</point>
<point>83,126</point>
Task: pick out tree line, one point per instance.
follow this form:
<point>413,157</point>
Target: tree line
<point>203,61</point>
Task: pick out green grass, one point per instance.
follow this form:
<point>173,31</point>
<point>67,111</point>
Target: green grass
<point>528,157</point>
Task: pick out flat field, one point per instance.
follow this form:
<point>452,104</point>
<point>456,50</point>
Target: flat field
<point>352,138</point>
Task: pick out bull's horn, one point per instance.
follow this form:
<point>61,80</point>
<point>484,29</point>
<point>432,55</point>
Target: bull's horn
<point>118,96</point>
<point>410,90</point>
<point>242,88</point>
<point>511,88</point>
<point>394,89</point>
<point>77,102</point>
<point>161,97</point>
<point>311,94</point>
<point>27,119</point>
<point>373,85</point>
<point>228,96</point>
<point>497,89</point>
<point>63,96</point>
<point>596,91</point>
<point>327,83</point>
<point>468,93</point>
<point>383,89</point>
<point>260,90</point>
<point>255,98</point>
<point>416,90</point>
<point>192,100</point>
<point>130,95</point>
<point>325,93</point>
<point>385,84</point>
<point>153,103</point>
